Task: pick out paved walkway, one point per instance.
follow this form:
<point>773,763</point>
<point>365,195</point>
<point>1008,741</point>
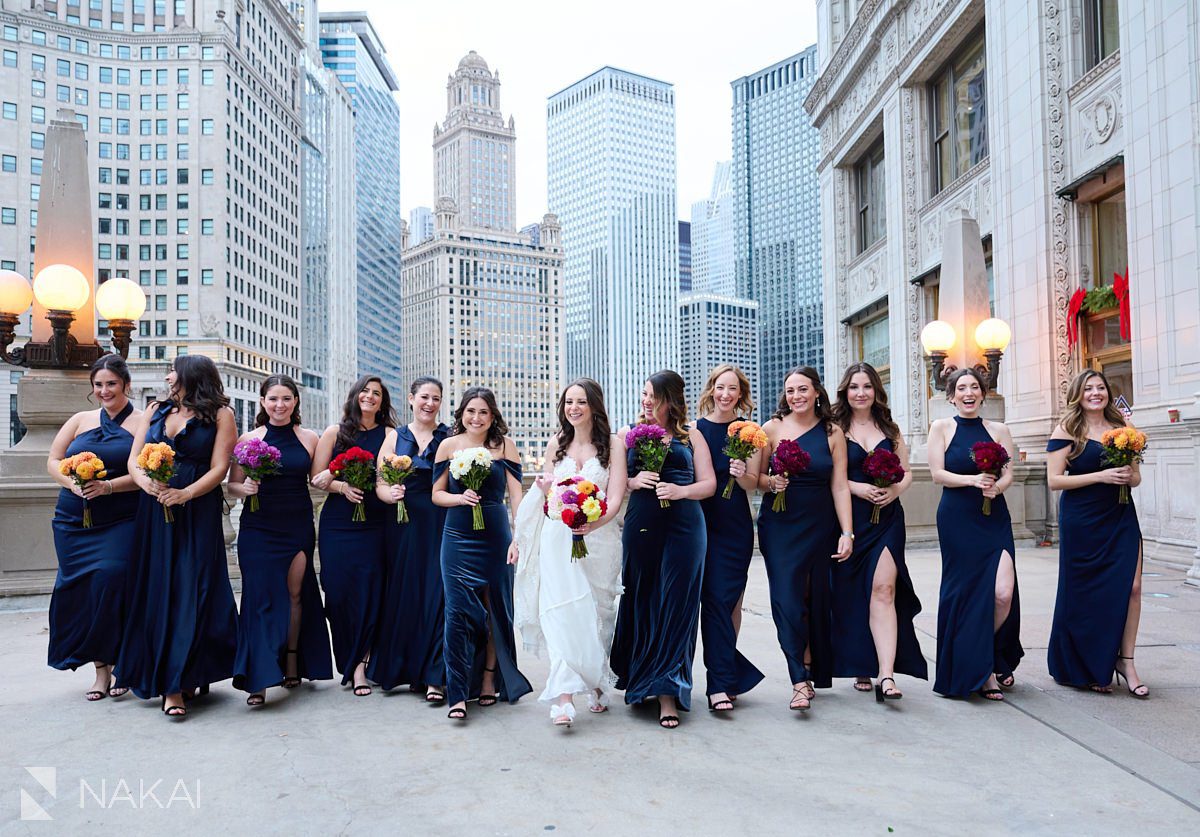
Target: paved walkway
<point>320,761</point>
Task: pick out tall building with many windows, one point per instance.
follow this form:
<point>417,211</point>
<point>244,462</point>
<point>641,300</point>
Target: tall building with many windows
<point>420,224</point>
<point>685,257</point>
<point>777,215</point>
<point>192,113</point>
<point>716,329</point>
<point>351,48</point>
<point>611,168</point>
<point>713,253</point>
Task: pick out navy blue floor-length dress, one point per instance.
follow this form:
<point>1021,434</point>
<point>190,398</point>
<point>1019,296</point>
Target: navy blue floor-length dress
<point>797,546</point>
<point>969,650</point>
<point>1100,543</point>
<point>87,609</point>
<point>853,646</point>
<point>411,638</point>
<point>182,627</point>
<point>352,566</point>
<point>730,529</point>
<point>268,541</point>
<point>478,581</point>
<point>662,568</point>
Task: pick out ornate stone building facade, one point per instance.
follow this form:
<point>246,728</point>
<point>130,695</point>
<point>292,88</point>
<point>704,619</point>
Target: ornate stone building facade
<point>1066,130</point>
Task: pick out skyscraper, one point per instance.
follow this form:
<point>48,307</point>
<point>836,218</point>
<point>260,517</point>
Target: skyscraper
<point>777,213</point>
<point>713,258</point>
<point>611,167</point>
<point>352,49</point>
<point>685,257</point>
<point>420,224</point>
<point>716,329</point>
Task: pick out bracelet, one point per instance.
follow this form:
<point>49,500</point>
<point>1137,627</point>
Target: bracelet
<point>849,535</point>
<point>108,485</point>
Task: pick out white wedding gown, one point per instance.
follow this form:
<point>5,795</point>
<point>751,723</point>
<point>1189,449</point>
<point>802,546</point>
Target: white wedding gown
<point>567,608</point>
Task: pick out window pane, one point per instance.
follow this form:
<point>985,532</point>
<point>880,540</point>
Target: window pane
<point>1111,240</point>
<point>970,108</point>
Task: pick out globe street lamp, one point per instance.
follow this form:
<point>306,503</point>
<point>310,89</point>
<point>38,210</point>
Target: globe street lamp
<point>938,339</point>
<point>991,335</point>
<point>121,302</point>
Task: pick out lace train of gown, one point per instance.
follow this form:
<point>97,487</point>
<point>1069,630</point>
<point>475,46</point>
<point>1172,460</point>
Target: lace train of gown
<point>566,608</point>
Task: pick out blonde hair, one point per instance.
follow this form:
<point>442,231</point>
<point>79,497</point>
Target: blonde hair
<point>745,404</point>
<point>1073,420</point>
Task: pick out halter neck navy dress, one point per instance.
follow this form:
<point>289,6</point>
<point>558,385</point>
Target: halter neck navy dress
<point>969,649</point>
<point>411,638</point>
<point>853,646</point>
<point>475,564</point>
<point>268,541</point>
<point>797,545</point>
<point>662,566</point>
<point>1100,545</point>
<point>730,528</point>
<point>352,561</point>
<point>182,628</point>
<point>87,609</point>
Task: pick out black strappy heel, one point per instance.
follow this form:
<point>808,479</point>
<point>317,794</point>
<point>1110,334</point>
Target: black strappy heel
<point>1140,691</point>
<point>93,695</point>
<point>290,682</point>
<point>489,700</point>
<point>882,694</point>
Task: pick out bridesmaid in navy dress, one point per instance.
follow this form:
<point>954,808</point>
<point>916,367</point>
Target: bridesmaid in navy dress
<point>352,552</point>
<point>477,572</point>
<point>663,558</point>
<point>800,542</point>
<point>979,610</point>
<point>182,629</point>
<point>730,526</point>
<point>873,597</point>
<point>281,629</point>
<point>1099,600</point>
<point>87,610</point>
<point>412,626</point>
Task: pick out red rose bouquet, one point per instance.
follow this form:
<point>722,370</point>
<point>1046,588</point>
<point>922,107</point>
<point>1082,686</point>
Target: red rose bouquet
<point>882,467</point>
<point>576,501</point>
<point>356,468</point>
<point>789,460</point>
<point>989,458</point>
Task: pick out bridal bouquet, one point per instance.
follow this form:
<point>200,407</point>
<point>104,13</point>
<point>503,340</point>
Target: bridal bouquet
<point>83,467</point>
<point>472,467</point>
<point>396,469</point>
<point>989,458</point>
<point>576,502</point>
<point>1123,446</point>
<point>356,468</point>
<point>882,467</point>
<point>157,460</point>
<point>258,460</point>
<point>745,438</point>
<point>650,446</point>
<point>789,460</point>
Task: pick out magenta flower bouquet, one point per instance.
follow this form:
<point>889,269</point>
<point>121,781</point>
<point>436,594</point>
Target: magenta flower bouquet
<point>258,460</point>
<point>789,460</point>
<point>650,446</point>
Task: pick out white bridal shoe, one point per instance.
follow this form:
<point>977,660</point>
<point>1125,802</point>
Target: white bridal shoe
<point>597,703</point>
<point>562,716</point>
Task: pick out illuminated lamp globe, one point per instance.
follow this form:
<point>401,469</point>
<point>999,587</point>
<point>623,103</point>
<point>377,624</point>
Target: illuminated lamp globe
<point>60,287</point>
<point>15,293</point>
<point>937,336</point>
<point>120,299</point>
<point>993,333</point>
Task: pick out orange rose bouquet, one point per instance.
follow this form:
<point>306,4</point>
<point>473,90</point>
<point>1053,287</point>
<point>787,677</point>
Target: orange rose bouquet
<point>1123,446</point>
<point>157,460</point>
<point>83,468</point>
<point>744,439</point>
<point>396,469</point>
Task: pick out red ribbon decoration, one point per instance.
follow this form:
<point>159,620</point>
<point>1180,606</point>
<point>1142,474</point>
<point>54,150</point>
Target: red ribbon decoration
<point>1074,306</point>
<point>1121,289</point>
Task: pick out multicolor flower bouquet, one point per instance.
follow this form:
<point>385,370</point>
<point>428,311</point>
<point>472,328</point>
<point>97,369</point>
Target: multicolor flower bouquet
<point>259,460</point>
<point>472,467</point>
<point>650,445</point>
<point>882,467</point>
<point>157,460</point>
<point>396,469</point>
<point>1123,446</point>
<point>789,460</point>
<point>576,501</point>
<point>356,468</point>
<point>83,467</point>
<point>990,458</point>
<point>743,440</point>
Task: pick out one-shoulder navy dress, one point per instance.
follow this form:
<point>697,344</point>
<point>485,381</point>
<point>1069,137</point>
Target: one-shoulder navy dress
<point>662,566</point>
<point>730,528</point>
<point>411,638</point>
<point>182,627</point>
<point>797,546</point>
<point>853,646</point>
<point>268,541</point>
<point>87,609</point>
<point>478,581</point>
<point>1100,544</point>
<point>969,650</point>
<point>352,561</point>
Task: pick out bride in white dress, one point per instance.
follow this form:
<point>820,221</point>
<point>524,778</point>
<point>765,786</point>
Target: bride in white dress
<point>565,607</point>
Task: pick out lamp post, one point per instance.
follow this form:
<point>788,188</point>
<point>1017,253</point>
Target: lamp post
<point>991,335</point>
<point>120,302</point>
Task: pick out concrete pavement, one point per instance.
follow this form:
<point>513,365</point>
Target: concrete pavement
<point>320,761</point>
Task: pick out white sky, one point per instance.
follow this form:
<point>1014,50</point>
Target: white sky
<point>540,48</point>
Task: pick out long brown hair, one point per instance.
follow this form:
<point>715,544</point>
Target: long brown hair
<point>881,413</point>
<point>601,431</point>
<point>1073,419</point>
<point>196,376</point>
<point>821,408</point>
<point>745,404</point>
<point>498,429</point>
<point>277,381</point>
<point>351,422</point>
<point>667,386</point>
